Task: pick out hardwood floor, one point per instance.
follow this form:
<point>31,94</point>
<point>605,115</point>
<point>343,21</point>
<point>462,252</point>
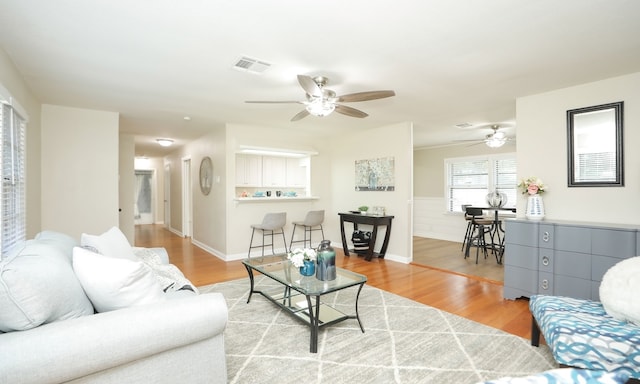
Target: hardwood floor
<point>449,256</point>
<point>474,298</point>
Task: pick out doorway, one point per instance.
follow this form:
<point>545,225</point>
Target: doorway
<point>144,197</point>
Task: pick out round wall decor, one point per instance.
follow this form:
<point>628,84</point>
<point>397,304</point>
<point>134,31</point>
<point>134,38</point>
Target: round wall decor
<point>206,175</point>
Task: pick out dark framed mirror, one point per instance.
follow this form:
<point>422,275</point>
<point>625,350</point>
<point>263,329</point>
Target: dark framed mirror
<point>595,146</point>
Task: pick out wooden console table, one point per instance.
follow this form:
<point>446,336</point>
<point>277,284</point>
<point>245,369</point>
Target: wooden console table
<point>375,221</point>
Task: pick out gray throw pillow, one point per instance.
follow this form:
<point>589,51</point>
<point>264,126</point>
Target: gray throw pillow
<point>38,286</point>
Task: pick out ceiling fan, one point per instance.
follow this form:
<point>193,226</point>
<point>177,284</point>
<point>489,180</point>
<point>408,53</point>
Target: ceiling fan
<point>322,101</point>
<point>495,139</point>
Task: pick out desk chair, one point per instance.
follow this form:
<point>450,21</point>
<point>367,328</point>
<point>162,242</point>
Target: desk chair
<point>480,226</point>
<point>272,224</point>
<point>312,222</point>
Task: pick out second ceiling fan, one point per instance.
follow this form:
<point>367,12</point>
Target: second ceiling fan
<point>322,101</point>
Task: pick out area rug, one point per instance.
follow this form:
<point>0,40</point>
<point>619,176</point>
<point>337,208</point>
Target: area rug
<point>404,342</point>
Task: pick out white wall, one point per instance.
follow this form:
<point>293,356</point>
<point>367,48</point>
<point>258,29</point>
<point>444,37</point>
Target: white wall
<point>389,141</point>
<point>126,186</point>
<point>12,81</point>
<point>240,215</point>
<point>542,151</point>
<point>79,170</point>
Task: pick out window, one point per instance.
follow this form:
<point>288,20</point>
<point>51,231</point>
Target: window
<point>469,180</point>
<point>12,166</point>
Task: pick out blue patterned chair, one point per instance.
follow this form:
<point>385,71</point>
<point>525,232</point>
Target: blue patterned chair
<point>581,334</point>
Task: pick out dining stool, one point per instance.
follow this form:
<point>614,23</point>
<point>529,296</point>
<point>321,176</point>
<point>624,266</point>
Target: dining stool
<point>312,222</point>
<point>272,224</point>
<point>480,227</point>
<point>468,218</point>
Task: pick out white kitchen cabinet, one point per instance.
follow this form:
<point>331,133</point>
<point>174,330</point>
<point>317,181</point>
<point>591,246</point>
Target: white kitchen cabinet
<point>297,172</point>
<point>274,172</point>
<point>248,171</point>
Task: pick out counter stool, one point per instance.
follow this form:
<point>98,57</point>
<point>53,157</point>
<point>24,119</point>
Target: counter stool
<point>468,218</point>
<point>312,222</point>
<point>272,224</point>
<point>480,226</point>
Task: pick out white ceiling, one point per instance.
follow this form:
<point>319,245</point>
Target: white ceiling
<point>449,61</point>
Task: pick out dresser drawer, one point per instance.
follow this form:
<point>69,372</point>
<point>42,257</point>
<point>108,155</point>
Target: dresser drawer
<point>521,256</point>
<point>572,239</point>
<point>615,243</point>
<point>523,281</point>
<point>545,283</point>
<point>521,233</point>
<point>546,236</point>
<point>572,264</point>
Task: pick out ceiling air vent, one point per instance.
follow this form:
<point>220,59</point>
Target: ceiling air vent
<point>248,64</point>
<point>464,125</point>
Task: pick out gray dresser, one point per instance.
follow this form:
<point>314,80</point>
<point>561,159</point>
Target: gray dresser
<point>563,258</point>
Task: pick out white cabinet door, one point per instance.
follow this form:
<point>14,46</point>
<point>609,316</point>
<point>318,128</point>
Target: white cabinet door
<point>297,173</point>
<point>248,171</point>
<point>274,171</point>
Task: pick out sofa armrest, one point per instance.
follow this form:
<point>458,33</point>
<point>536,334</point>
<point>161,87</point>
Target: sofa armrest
<point>82,346</point>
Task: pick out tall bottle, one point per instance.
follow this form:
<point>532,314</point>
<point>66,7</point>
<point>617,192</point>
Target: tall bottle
<point>326,260</point>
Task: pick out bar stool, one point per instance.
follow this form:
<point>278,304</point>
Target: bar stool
<point>272,224</point>
<point>468,218</point>
<point>312,222</point>
<point>480,226</point>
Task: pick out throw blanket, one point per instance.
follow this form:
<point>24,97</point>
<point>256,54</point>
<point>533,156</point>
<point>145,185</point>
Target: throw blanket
<point>168,275</point>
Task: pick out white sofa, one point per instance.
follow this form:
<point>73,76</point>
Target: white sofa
<point>50,333</point>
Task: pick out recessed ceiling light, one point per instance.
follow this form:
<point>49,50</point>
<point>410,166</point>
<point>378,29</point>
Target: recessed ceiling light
<point>165,142</point>
<point>187,118</point>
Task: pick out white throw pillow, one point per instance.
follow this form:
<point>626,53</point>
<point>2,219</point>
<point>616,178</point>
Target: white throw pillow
<point>620,289</point>
<point>112,243</point>
<point>114,283</point>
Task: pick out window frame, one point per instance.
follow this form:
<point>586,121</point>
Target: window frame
<point>13,129</point>
<point>491,176</point>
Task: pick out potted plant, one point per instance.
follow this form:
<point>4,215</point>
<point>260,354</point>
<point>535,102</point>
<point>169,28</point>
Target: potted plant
<point>363,209</point>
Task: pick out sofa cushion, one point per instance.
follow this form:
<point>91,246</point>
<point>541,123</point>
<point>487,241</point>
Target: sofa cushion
<point>566,376</point>
<point>37,286</point>
<point>619,290</point>
<point>62,241</point>
<point>113,283</point>
<point>112,243</point>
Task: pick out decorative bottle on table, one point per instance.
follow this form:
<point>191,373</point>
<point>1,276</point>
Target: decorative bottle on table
<point>326,260</point>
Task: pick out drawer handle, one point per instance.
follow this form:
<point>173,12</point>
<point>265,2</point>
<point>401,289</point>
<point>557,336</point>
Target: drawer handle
<point>545,236</point>
<point>545,260</point>
<point>545,284</point>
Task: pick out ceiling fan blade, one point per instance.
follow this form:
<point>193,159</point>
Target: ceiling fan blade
<point>301,115</point>
<point>364,96</point>
<point>273,102</point>
<point>309,85</point>
<point>350,111</point>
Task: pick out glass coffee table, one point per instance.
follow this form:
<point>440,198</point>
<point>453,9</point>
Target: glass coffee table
<point>296,293</point>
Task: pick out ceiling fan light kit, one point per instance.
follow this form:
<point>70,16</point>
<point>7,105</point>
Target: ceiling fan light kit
<point>322,102</point>
<point>320,107</point>
<point>495,139</point>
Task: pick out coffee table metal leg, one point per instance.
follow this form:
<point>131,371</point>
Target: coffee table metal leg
<point>357,314</point>
<point>314,323</point>
<point>250,272</point>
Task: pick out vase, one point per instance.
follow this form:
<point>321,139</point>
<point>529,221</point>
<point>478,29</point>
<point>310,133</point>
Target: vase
<point>326,259</point>
<point>535,207</point>
<point>308,269</point>
<point>496,199</point>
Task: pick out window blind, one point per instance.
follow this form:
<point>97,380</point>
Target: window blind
<point>12,168</point>
<point>469,181</point>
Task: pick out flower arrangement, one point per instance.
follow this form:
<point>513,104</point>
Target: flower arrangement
<point>299,255</point>
<point>532,186</point>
